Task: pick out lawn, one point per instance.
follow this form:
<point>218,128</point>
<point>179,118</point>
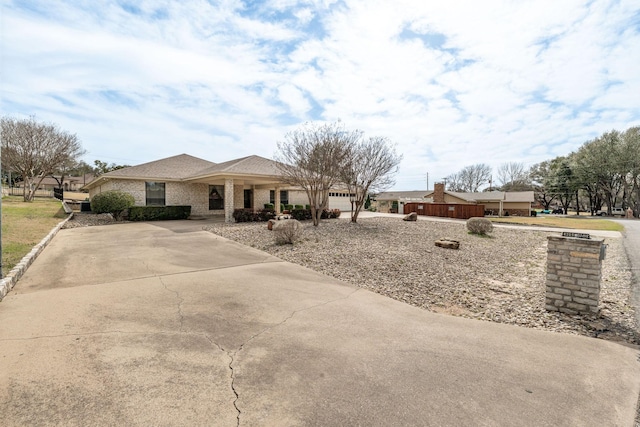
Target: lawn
<point>24,225</point>
<point>584,223</point>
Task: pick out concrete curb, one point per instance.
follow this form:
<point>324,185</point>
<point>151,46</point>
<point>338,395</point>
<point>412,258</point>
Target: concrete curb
<point>7,283</point>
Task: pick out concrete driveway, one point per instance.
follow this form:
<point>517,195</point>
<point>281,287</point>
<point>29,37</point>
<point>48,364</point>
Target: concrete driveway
<point>165,324</point>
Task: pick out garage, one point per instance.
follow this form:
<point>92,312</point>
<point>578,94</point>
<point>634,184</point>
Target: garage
<point>340,200</point>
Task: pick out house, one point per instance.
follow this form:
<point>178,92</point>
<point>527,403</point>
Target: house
<point>209,188</point>
<point>392,201</point>
<point>70,183</point>
<point>495,202</point>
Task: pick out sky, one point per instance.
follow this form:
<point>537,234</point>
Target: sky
<point>449,83</point>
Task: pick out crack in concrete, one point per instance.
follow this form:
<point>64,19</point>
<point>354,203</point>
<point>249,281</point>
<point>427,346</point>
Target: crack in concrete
<point>232,355</point>
<point>180,302</point>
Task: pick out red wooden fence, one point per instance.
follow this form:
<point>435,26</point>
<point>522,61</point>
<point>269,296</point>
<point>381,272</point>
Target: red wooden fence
<point>445,210</point>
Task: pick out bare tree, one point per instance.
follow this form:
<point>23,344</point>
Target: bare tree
<point>312,157</point>
<point>514,176</point>
<point>470,178</point>
<point>370,166</point>
<point>36,150</point>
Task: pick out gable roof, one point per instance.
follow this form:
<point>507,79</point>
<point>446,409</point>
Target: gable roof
<point>172,168</point>
<point>187,168</point>
<point>250,165</point>
<point>487,196</point>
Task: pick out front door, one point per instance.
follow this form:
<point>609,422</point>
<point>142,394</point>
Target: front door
<point>248,199</point>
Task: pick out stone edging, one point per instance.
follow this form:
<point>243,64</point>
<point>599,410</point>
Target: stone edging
<point>7,283</point>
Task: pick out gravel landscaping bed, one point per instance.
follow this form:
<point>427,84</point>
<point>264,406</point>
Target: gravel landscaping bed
<point>499,278</point>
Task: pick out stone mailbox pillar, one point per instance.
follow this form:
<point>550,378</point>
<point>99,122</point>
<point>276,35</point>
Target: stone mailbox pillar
<point>574,269</point>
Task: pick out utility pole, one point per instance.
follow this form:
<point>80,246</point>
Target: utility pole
<point>427,181</point>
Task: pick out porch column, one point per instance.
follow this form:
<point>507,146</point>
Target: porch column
<point>277,200</point>
<point>228,200</point>
<point>500,213</point>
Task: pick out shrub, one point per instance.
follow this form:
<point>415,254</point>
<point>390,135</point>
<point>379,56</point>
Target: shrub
<point>287,231</point>
<point>114,202</point>
<point>158,213</point>
<point>307,207</point>
<point>243,215</point>
<point>298,207</point>
<point>301,214</point>
<point>330,213</point>
<point>288,208</point>
<point>248,215</point>
<point>480,226</point>
<point>269,206</point>
<point>266,214</point>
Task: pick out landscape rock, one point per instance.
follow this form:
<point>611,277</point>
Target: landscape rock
<point>413,216</point>
<point>448,243</point>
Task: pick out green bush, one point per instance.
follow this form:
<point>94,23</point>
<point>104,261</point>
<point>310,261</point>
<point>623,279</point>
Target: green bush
<point>269,206</point>
<point>288,208</point>
<point>308,207</point>
<point>158,213</point>
<point>114,202</point>
<point>301,214</point>
<point>249,215</point>
<point>266,214</point>
<point>298,207</point>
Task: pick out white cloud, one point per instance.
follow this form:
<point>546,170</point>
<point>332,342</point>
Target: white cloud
<point>453,83</point>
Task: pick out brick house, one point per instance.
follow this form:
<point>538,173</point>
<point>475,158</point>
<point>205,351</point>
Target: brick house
<point>209,188</point>
<point>495,202</point>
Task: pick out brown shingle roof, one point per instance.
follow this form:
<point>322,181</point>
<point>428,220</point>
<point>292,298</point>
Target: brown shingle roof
<point>176,167</point>
<point>250,165</point>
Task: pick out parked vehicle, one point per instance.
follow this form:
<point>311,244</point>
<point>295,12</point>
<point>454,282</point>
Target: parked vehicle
<point>614,212</point>
<point>558,211</point>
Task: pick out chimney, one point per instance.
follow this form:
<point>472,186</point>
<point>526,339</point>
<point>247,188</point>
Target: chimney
<point>438,192</point>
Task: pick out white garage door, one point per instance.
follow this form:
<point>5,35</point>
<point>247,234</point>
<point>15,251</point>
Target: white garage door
<point>340,201</point>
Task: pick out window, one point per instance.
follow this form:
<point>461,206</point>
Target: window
<point>155,193</point>
<point>216,197</point>
<point>284,197</point>
<point>248,199</point>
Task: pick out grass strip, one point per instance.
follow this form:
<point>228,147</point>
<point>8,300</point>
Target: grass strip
<point>24,225</point>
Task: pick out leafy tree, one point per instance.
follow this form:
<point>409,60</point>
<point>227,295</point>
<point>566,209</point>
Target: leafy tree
<point>369,166</point>
<point>104,167</point>
<point>562,181</point>
<point>540,175</point>
<point>36,150</point>
<point>312,157</point>
<point>629,161</point>
<point>588,181</point>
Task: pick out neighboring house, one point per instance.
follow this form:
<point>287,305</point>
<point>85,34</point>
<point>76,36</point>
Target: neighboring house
<point>71,183</point>
<point>209,188</point>
<point>393,201</point>
<point>495,202</point>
